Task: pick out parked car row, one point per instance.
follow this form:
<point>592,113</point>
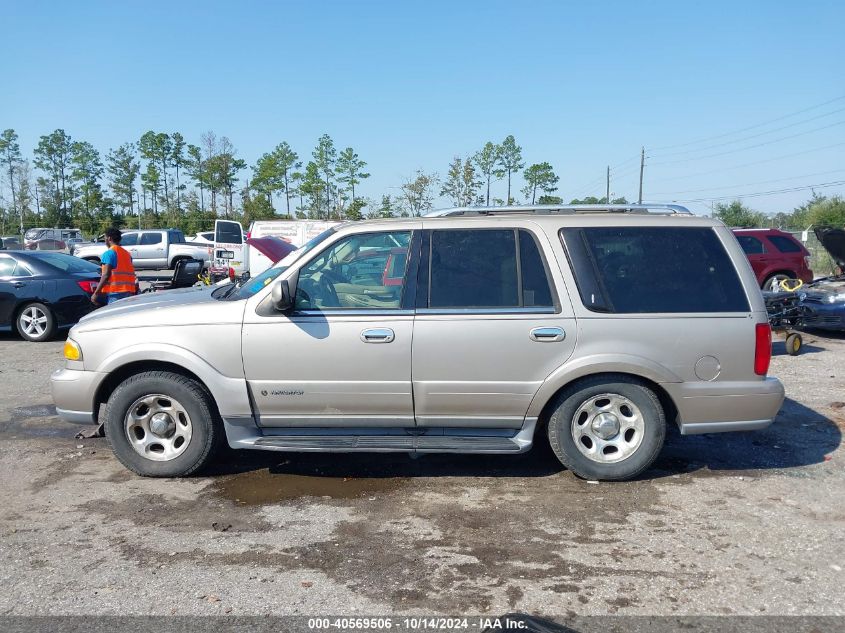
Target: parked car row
<point>774,255</point>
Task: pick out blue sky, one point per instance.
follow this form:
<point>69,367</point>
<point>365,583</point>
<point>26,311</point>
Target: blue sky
<point>409,85</point>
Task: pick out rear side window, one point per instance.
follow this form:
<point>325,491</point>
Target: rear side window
<point>67,263</point>
<point>8,267</point>
<point>638,270</point>
<point>487,268</point>
<point>785,244</point>
<point>535,282</point>
<point>751,245</point>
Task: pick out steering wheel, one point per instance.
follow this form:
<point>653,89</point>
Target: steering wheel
<point>328,292</point>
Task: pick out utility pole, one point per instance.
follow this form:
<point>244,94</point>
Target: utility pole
<point>642,166</point>
<point>607,196</point>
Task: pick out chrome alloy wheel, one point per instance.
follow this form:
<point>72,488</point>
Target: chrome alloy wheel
<point>607,428</point>
<point>158,427</point>
<point>33,321</point>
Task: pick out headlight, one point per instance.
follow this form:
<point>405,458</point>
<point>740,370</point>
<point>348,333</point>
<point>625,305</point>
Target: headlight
<point>72,350</point>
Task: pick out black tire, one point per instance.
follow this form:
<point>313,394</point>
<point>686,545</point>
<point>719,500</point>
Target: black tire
<point>560,427</point>
<point>42,312</point>
<point>793,344</point>
<point>206,427</point>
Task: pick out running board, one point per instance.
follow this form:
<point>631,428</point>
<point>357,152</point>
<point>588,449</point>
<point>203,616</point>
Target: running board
<point>383,440</point>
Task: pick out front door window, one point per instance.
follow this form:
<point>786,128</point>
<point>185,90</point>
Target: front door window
<point>361,271</point>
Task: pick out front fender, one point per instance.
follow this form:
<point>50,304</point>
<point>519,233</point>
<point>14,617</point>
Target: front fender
<point>229,393</point>
<point>597,364</point>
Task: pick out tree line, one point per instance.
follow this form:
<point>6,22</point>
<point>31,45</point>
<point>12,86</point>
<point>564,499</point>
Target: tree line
<point>819,210</point>
<point>162,180</point>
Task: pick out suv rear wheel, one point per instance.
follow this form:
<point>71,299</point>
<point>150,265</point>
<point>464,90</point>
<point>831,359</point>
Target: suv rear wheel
<point>162,424</point>
<point>608,427</point>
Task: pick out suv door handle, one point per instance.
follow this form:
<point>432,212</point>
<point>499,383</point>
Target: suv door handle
<point>18,284</point>
<point>377,335</point>
<point>547,334</point>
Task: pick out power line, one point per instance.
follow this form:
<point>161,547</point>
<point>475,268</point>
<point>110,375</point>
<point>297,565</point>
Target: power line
<point>758,135</point>
<point>756,162</point>
<point>750,184</point>
<point>758,194</point>
<point>593,184</point>
<point>625,162</point>
<point>751,127</point>
<point>742,149</point>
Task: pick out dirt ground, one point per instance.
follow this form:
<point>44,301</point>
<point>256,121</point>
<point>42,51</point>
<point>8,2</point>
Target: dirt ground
<point>748,523</point>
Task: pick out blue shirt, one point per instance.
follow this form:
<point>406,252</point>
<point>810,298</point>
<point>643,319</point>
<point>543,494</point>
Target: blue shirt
<point>110,258</point>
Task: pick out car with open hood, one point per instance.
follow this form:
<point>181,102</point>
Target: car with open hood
<point>823,301</point>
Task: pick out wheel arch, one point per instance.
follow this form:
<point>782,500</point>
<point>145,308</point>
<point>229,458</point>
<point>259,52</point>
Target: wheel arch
<point>777,271</point>
<point>545,409</point>
<point>106,388</point>
<point>228,395</point>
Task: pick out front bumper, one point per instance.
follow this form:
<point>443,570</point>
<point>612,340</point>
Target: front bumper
<point>717,407</point>
<point>73,394</point>
<point>823,316</point>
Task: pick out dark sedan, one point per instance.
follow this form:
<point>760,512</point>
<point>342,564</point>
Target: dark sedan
<point>42,292</point>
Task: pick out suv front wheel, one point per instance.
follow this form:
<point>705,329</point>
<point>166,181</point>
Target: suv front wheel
<point>162,424</point>
<point>607,428</point>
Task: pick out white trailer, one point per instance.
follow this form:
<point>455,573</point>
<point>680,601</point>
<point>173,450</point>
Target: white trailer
<point>230,249</point>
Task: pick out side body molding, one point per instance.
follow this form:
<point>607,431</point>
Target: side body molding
<point>598,364</point>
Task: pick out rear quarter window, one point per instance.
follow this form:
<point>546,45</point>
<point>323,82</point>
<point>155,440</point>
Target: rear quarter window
<point>635,270</point>
<point>785,244</point>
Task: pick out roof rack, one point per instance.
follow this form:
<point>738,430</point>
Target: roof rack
<point>554,209</point>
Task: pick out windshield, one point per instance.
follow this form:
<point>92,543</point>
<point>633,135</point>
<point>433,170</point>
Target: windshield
<point>34,234</point>
<point>255,284</point>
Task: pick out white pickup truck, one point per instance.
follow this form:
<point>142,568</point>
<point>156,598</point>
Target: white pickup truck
<point>150,249</point>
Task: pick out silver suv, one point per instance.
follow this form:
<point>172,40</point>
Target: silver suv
<point>466,331</point>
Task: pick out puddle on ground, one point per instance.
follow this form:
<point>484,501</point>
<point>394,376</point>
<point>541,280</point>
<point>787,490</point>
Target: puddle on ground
<point>262,487</point>
<point>38,420</point>
<point>34,411</point>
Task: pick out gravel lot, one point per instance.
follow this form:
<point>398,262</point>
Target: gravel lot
<point>750,523</point>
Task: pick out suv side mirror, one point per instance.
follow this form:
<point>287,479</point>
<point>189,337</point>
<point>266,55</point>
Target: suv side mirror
<point>282,296</point>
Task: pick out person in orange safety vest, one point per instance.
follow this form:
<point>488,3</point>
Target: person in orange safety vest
<point>117,279</point>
